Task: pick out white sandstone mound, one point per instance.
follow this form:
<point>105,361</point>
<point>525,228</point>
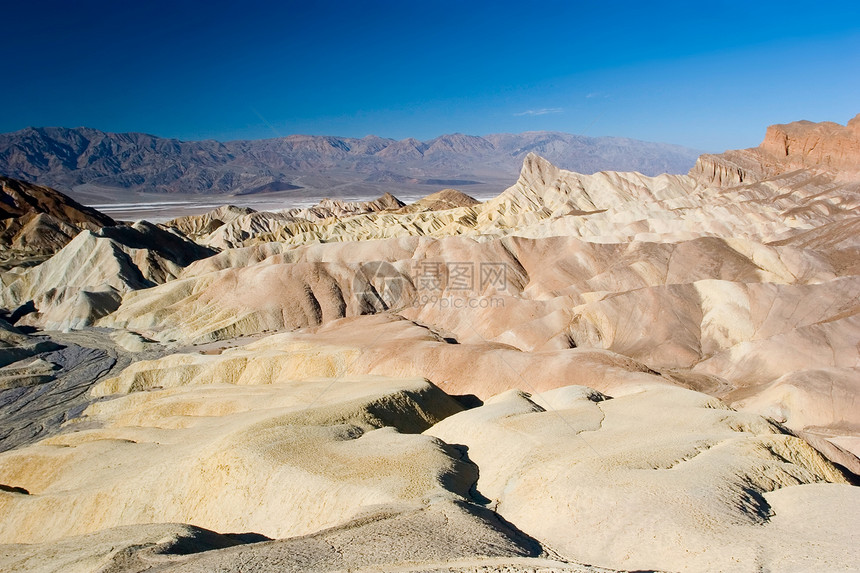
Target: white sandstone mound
<point>661,478</point>
<point>241,228</point>
<point>280,460</point>
<point>86,279</point>
<point>383,346</point>
<point>129,548</point>
<point>199,226</point>
<point>445,537</point>
<point>337,208</point>
<point>132,341</point>
<point>655,477</point>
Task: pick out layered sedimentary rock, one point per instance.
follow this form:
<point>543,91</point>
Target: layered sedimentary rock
<point>198,226</point>
<point>826,148</point>
<point>384,346</point>
<point>604,207</point>
<point>328,208</point>
<point>690,298</point>
<point>36,222</point>
<point>648,373</point>
<point>441,201</point>
<point>85,280</point>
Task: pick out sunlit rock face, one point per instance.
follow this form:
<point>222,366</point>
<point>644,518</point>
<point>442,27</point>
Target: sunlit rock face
<point>824,148</point>
<point>36,222</point>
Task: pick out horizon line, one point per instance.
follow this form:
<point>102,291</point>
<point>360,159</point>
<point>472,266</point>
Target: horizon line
<point>370,135</point>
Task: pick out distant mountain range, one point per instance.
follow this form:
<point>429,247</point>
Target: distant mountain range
<point>82,159</point>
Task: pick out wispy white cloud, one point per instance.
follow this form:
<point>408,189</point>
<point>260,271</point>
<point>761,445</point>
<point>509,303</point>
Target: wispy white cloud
<point>541,111</point>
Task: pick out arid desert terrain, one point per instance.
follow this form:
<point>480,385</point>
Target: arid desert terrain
<point>602,372</point>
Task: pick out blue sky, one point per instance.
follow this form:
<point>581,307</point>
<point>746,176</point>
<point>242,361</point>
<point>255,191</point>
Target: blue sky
<point>709,75</point>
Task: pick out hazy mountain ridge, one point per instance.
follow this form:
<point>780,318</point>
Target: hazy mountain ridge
<point>67,158</point>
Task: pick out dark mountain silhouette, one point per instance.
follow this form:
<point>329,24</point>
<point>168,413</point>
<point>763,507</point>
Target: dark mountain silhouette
<point>70,159</point>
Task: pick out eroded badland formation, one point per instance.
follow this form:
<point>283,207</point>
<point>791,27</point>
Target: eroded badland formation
<point>588,372</point>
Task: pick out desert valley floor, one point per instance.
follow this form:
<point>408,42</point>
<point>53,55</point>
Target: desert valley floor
<point>585,373</point>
